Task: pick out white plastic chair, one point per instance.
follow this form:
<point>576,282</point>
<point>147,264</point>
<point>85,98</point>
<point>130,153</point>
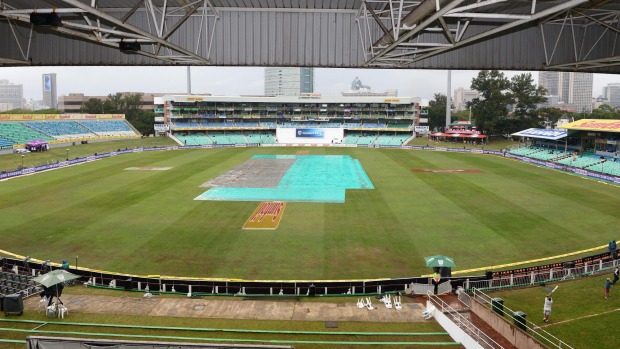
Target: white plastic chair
<point>397,304</point>
<point>388,301</point>
<point>369,304</point>
<point>360,303</point>
<point>428,313</point>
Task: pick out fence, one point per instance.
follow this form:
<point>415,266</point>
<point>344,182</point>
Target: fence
<point>533,277</point>
<point>535,331</point>
<point>520,277</point>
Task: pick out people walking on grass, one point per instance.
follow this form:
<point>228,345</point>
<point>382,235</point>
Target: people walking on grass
<point>547,307</point>
<point>608,284</point>
<point>616,275</point>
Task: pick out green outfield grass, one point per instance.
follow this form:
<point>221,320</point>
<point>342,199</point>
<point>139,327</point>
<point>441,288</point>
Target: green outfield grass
<point>146,222</point>
<point>581,315</point>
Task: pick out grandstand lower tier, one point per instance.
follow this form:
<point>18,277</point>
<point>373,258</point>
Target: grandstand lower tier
<point>290,137</point>
<point>587,160</point>
<point>16,133</point>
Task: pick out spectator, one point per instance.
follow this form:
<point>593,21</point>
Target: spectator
<point>65,265</point>
<point>613,249</point>
<point>608,284</point>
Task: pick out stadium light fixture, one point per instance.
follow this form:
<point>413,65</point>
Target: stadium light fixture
<point>50,19</point>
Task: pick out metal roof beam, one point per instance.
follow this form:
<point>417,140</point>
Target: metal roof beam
<point>121,24</point>
<point>547,12</point>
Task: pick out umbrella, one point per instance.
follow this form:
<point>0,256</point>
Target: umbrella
<point>439,261</point>
<point>55,277</point>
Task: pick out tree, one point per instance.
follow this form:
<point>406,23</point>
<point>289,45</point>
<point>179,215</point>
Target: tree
<point>114,104</point>
<point>437,112</point>
<point>142,120</point>
<point>492,106</point>
<point>551,114</point>
<point>93,106</point>
<point>526,97</point>
<point>604,111</point>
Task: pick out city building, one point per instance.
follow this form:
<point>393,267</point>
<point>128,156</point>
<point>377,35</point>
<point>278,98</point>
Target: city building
<point>11,95</point>
<point>73,102</point>
<point>573,90</point>
<point>611,93</point>
<point>50,93</point>
<point>358,90</point>
<point>288,81</point>
<point>462,97</point>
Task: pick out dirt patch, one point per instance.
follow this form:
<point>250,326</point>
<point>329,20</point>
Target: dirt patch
<point>302,152</point>
<point>446,171</point>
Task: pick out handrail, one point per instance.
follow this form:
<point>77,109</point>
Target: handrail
<point>463,323</point>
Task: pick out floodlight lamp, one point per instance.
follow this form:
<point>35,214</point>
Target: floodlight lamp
<point>45,19</point>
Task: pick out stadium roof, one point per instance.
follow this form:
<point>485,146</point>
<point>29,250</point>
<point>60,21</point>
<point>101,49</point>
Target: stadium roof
<point>575,35</point>
<point>599,125</point>
<point>542,133</point>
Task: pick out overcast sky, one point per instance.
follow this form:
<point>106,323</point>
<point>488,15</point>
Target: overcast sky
<point>234,81</point>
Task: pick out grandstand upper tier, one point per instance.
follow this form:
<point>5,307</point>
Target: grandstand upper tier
<point>307,118</point>
<point>18,129</point>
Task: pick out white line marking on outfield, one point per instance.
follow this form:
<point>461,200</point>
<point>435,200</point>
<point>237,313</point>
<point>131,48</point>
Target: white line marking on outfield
<point>577,318</point>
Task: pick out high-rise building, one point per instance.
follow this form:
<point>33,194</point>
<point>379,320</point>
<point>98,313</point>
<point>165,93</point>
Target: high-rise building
<point>611,93</point>
<point>50,94</point>
<point>462,96</point>
<point>573,90</point>
<point>11,95</point>
<point>288,81</point>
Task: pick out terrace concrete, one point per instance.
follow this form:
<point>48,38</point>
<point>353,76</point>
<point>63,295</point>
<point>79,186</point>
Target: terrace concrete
<point>235,309</point>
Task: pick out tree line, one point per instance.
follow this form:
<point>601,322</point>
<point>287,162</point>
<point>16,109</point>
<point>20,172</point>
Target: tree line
<point>506,106</point>
<point>129,104</point>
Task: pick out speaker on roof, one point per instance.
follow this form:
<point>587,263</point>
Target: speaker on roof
<point>129,47</point>
<point>45,19</point>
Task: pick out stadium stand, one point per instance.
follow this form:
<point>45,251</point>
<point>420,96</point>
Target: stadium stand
<point>385,139</point>
<point>11,283</point>
<point>398,125</point>
<point>60,129</point>
<point>194,139</point>
<point>108,127</point>
<point>20,134</point>
<point>247,124</point>
<point>260,138</point>
<point>373,125</point>
<point>5,143</point>
<point>228,138</point>
<point>582,161</point>
<point>186,124</point>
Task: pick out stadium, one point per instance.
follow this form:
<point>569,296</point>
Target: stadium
<point>308,221</point>
<point>351,218</point>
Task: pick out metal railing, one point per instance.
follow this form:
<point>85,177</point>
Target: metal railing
<point>535,331</point>
<point>537,278</point>
<point>463,323</point>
